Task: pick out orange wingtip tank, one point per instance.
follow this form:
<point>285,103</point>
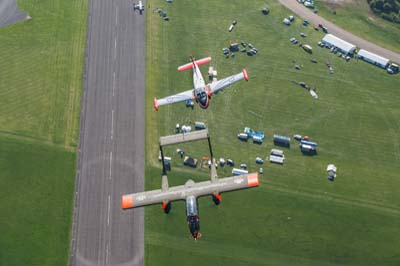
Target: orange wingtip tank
<point>155,103</point>
<point>218,196</point>
<point>252,180</point>
<point>127,202</point>
<point>246,76</point>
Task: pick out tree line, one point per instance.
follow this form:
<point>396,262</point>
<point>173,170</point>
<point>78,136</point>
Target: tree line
<point>387,9</point>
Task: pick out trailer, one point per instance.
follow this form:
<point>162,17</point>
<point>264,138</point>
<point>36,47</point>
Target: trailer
<point>310,143</point>
<point>199,125</point>
<point>236,171</point>
<point>281,140</point>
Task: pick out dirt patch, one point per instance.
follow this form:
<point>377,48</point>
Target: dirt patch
<point>9,13</point>
<point>336,4</point>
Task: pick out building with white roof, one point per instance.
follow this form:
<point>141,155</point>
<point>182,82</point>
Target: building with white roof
<point>342,46</point>
<point>373,58</point>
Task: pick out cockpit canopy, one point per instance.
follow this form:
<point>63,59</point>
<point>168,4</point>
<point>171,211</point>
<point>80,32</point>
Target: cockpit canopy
<point>191,206</point>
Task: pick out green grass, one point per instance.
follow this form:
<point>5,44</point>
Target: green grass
<point>41,72</point>
<point>353,221</point>
<point>37,184</point>
<point>355,16</point>
<point>40,90</point>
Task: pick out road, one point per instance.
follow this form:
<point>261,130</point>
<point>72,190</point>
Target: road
<point>306,13</point>
<point>9,12</point>
<point>111,144</point>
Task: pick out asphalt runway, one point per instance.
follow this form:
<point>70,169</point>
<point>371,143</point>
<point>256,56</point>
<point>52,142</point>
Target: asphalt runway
<point>111,145</point>
<point>306,13</point>
<point>9,12</point>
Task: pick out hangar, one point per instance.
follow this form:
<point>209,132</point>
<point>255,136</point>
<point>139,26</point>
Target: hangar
<point>342,46</point>
<point>373,58</point>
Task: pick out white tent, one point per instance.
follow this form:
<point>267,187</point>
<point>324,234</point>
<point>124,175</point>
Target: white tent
<point>343,46</point>
<point>373,58</point>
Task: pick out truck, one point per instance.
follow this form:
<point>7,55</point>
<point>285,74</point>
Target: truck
<point>243,136</point>
<point>251,133</point>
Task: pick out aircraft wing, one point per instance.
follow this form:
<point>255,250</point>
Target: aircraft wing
<point>220,84</point>
<point>180,97</point>
<point>190,188</point>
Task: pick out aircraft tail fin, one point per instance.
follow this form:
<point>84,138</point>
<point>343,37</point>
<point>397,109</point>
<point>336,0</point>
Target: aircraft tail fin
<point>197,62</point>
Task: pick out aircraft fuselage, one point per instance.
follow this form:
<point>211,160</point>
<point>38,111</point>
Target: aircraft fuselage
<point>200,89</point>
<point>193,217</point>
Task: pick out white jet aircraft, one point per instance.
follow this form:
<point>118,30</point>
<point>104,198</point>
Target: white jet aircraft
<point>201,93</point>
<point>139,6</point>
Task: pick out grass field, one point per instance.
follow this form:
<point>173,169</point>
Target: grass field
<point>355,16</point>
<point>40,89</point>
<point>296,216</point>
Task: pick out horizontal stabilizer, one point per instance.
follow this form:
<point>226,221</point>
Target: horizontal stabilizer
<point>197,62</point>
<point>181,138</point>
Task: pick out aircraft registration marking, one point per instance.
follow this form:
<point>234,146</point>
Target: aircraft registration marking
<point>239,181</point>
<point>141,197</point>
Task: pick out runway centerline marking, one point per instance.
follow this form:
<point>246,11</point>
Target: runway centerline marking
<point>116,15</point>
<point>113,86</point>
<point>107,255</point>
<point>115,48</point>
<point>108,211</point>
<point>110,165</point>
<point>112,124</point>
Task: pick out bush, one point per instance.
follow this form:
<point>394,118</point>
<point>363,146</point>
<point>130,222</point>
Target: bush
<point>387,9</point>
